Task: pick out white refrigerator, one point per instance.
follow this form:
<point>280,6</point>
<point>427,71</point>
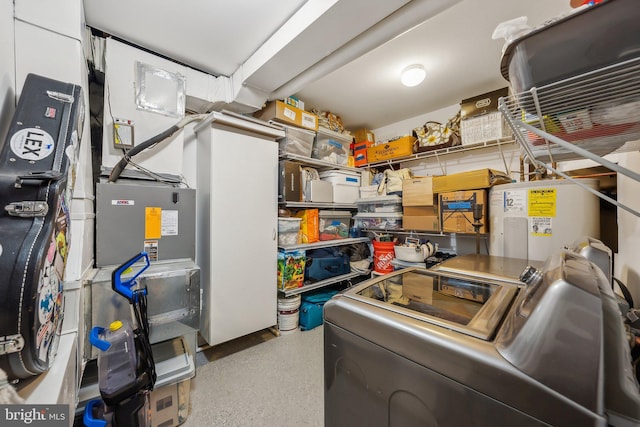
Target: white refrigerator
<point>236,225</point>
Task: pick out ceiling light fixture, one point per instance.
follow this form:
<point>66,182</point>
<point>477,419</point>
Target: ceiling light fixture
<point>413,75</point>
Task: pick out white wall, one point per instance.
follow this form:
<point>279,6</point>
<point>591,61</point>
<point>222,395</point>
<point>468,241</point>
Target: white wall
<point>7,68</point>
<point>626,265</point>
<point>506,158</point>
<point>405,127</point>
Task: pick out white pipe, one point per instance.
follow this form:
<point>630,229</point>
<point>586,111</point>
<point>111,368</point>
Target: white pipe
<point>407,17</point>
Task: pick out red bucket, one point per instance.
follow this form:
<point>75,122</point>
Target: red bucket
<point>383,253</point>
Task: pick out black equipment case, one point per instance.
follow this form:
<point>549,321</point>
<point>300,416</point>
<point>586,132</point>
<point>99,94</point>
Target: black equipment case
<point>37,172</point>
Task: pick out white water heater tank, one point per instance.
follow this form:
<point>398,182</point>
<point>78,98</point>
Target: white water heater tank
<point>532,220</point>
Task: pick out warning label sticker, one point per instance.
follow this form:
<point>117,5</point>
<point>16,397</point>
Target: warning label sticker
<point>542,202</point>
<point>541,226</point>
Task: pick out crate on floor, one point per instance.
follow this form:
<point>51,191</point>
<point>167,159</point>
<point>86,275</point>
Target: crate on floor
<point>170,404</point>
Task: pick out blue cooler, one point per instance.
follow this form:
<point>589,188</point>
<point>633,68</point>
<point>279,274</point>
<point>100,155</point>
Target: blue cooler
<point>311,308</point>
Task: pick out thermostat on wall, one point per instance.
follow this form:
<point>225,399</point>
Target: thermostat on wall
<point>123,133</point>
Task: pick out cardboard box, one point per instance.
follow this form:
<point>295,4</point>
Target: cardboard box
<point>280,112</point>
<point>360,152</point>
<point>420,211</point>
<point>417,191</point>
<point>421,223</point>
<point>480,119</point>
<point>390,150</point>
<point>289,182</point>
<point>422,218</point>
<point>456,211</point>
<point>488,127</point>
<point>364,135</point>
<point>482,104</point>
<point>482,178</point>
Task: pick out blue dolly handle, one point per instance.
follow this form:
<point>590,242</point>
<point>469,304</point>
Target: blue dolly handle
<point>123,287</point>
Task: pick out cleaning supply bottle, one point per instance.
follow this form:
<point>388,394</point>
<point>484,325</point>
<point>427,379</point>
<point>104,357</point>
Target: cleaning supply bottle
<point>117,361</point>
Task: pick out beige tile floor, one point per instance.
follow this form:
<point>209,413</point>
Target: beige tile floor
<point>260,380</point>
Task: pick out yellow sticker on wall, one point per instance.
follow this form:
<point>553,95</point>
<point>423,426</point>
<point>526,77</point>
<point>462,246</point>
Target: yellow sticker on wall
<point>152,223</point>
<point>542,202</point>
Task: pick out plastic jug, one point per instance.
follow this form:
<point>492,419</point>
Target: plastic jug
<point>117,361</point>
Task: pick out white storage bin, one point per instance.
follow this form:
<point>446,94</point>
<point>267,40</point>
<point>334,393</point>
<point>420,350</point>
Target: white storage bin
<point>288,231</point>
<point>380,221</point>
<point>331,146</point>
<point>334,224</point>
<point>368,191</point>
<point>341,177</point>
<point>319,191</point>
<point>296,141</point>
<point>345,193</point>
<point>381,204</point>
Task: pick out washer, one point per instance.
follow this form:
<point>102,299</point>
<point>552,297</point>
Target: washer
<point>421,348</point>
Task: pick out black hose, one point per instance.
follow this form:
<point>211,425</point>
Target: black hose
<point>625,292</point>
<point>119,167</point>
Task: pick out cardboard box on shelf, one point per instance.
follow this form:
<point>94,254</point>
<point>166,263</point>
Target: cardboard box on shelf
<point>390,150</point>
<point>280,112</point>
<point>456,211</point>
<point>481,178</point>
<point>482,104</point>
<point>480,119</point>
<point>418,191</point>
<point>421,218</point>
<point>360,152</point>
<point>485,128</point>
<point>364,135</point>
<point>421,223</point>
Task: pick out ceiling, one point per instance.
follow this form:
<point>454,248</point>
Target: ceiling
<point>343,56</point>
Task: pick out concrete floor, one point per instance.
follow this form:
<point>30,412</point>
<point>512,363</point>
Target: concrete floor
<point>260,381</point>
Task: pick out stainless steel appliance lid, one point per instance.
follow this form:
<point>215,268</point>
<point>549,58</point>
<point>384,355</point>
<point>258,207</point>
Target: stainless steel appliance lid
<point>487,267</point>
<point>471,306</point>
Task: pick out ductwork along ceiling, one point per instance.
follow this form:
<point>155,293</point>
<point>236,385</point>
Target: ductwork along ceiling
<point>327,52</point>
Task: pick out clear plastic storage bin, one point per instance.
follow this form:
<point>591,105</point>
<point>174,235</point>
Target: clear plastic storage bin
<point>331,146</point>
<point>382,204</point>
<point>334,224</point>
<point>288,231</point>
<point>378,221</point>
<point>297,141</point>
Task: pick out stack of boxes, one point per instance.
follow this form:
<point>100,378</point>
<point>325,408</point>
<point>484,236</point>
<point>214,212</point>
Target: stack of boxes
<point>446,203</point>
<point>363,139</point>
<point>420,205</point>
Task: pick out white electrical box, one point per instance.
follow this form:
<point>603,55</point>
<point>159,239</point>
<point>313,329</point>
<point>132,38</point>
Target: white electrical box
<point>122,133</point>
